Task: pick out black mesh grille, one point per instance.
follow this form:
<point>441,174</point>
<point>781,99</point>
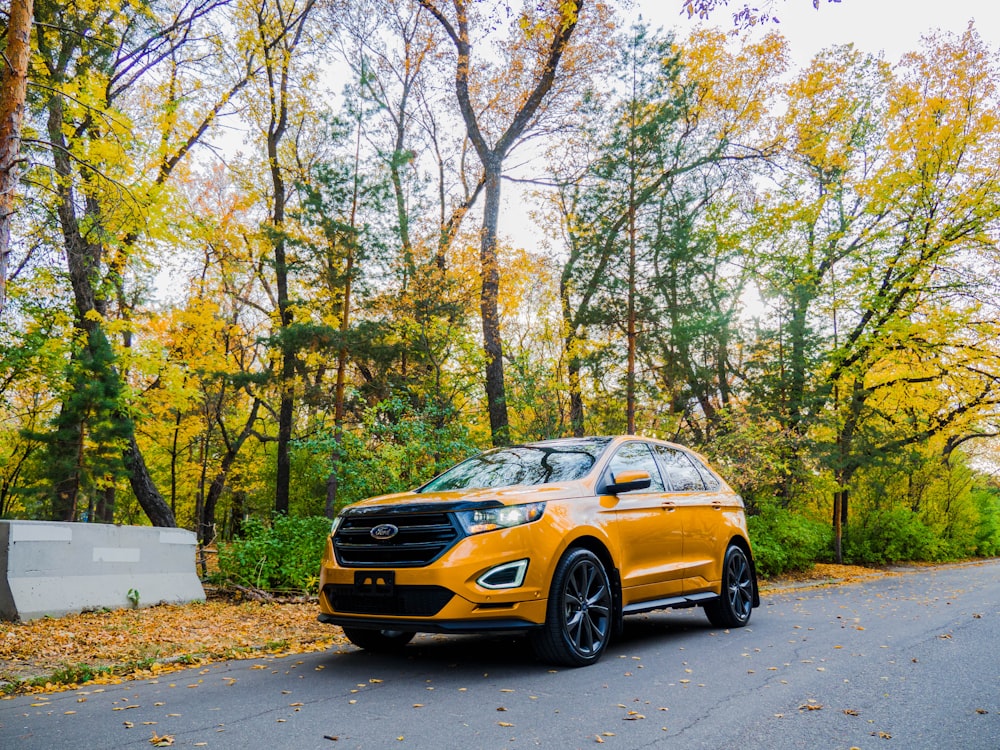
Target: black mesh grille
<point>421,538</point>
<point>405,601</point>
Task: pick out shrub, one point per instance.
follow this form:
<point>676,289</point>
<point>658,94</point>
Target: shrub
<point>283,555</point>
<point>891,535</point>
<point>987,502</point>
<point>784,540</point>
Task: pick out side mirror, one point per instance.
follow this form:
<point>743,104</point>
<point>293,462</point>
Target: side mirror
<point>626,481</point>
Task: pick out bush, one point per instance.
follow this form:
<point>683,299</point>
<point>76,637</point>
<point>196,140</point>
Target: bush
<point>784,541</point>
<point>283,555</point>
<point>892,535</point>
<point>987,502</point>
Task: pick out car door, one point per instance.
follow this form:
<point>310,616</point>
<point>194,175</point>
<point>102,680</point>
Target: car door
<point>700,512</point>
<point>650,535</point>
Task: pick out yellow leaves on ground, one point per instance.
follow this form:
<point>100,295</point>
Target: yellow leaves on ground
<point>126,638</point>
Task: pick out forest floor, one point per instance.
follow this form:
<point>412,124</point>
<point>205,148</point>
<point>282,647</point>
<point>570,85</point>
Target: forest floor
<point>112,646</point>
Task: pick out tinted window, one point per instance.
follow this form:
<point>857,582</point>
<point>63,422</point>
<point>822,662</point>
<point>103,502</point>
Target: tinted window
<point>711,481</point>
<point>681,473</point>
<point>540,463</point>
<point>636,457</point>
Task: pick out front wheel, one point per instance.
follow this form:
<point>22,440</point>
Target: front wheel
<point>380,641</point>
<point>732,608</point>
<point>578,621</point>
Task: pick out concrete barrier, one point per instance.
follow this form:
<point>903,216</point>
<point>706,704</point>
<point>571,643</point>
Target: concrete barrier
<point>53,568</point>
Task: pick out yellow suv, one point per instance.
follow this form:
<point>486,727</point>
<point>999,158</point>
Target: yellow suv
<point>559,539</point>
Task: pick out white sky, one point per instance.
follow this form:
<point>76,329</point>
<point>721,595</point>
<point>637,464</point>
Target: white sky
<point>892,26</point>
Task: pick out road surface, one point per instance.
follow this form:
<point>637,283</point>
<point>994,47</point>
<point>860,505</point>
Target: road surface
<point>902,662</point>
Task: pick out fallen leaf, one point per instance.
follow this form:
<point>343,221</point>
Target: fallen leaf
<point>165,741</point>
<point>851,712</point>
<point>504,724</point>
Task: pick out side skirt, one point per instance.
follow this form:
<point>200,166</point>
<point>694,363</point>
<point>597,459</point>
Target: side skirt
<point>672,602</point>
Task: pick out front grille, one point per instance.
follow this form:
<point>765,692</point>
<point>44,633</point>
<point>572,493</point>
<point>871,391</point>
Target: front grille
<point>421,539</point>
<point>405,601</point>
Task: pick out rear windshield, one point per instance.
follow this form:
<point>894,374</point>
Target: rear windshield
<point>540,463</point>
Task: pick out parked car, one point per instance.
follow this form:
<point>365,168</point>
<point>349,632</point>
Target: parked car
<point>559,539</point>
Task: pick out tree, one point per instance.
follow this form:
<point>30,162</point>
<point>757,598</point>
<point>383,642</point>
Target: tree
<point>276,32</point>
<point>547,38</point>
<point>93,63</point>
<point>13,88</point>
<point>678,128</point>
<point>878,259</point>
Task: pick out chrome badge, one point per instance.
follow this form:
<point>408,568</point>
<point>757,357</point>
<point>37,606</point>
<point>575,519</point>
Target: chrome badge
<point>384,531</point>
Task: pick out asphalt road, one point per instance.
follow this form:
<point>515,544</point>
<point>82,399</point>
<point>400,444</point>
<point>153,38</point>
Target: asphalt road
<point>907,662</point>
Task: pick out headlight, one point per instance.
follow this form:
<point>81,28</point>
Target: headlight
<point>335,525</point>
<point>490,519</point>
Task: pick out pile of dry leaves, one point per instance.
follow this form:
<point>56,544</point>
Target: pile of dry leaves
<point>115,644</point>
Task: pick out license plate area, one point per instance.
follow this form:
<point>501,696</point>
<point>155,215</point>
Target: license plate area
<point>374,582</point>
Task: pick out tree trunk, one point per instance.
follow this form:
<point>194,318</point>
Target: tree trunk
<point>496,398</point>
<point>141,481</point>
<point>286,406</point>
<point>13,87</point>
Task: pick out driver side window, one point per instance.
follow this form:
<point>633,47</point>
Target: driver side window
<point>637,457</point>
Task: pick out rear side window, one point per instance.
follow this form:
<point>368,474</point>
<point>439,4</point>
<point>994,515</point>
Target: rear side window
<point>635,456</point>
<point>681,473</point>
<point>711,481</point>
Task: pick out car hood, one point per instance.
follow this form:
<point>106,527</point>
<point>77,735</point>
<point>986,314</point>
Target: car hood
<point>491,496</point>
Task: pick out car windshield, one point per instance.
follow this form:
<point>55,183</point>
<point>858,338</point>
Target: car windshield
<point>538,463</point>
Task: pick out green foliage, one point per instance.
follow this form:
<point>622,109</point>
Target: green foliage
<point>784,540</point>
<point>282,555</point>
<point>84,446</point>
<point>400,447</point>
<point>987,502</point>
<point>889,536</point>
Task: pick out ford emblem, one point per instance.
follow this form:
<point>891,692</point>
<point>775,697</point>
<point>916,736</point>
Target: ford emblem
<point>384,531</point>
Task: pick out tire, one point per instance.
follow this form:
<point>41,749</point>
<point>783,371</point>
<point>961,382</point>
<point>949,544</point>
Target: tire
<point>733,607</point>
<point>379,641</point>
<point>580,612</point>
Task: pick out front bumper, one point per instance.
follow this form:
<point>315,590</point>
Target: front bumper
<point>443,597</point>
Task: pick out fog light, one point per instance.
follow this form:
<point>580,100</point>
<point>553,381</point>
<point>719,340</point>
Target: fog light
<point>506,576</point>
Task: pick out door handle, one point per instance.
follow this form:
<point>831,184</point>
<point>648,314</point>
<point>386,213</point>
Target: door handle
<point>668,506</point>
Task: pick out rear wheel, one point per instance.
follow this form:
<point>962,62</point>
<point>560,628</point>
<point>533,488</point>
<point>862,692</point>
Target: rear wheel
<point>381,641</point>
<point>579,617</point>
<point>732,608</point>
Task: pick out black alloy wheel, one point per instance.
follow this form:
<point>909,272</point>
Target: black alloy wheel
<point>733,607</point>
<point>580,612</point>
